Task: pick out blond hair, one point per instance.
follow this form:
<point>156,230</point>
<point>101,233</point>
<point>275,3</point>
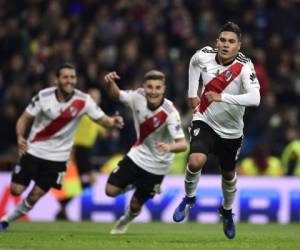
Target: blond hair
<point>155,75</point>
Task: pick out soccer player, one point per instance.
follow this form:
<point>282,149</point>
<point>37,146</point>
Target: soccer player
<point>159,135</point>
<point>229,85</point>
<point>55,112</point>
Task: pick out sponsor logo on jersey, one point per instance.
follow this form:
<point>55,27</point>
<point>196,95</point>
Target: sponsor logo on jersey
<point>196,131</point>
<point>228,76</point>
<point>252,77</point>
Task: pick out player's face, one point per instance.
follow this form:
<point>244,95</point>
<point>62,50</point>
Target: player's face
<point>155,90</point>
<point>66,81</point>
<point>228,46</point>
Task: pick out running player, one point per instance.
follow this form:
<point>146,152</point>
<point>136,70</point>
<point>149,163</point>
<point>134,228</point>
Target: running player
<point>55,112</point>
<point>229,85</point>
<point>159,136</point>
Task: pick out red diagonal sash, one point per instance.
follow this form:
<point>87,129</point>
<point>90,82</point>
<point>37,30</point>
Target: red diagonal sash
<point>150,125</point>
<point>218,84</point>
<point>62,120</point>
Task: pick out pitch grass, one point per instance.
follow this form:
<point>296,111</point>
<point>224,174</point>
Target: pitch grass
<point>189,236</point>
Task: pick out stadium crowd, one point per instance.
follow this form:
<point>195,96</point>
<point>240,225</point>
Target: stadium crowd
<point>134,36</point>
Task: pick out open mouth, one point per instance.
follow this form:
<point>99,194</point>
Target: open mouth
<point>153,96</point>
<point>224,51</point>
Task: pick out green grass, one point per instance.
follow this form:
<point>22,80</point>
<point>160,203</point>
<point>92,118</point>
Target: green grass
<point>189,236</point>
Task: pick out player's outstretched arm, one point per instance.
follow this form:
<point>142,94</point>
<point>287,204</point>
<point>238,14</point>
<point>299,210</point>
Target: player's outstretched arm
<point>115,121</point>
<point>180,145</point>
<point>21,126</point>
<point>111,86</point>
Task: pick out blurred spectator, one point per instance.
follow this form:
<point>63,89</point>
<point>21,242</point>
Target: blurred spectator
<point>260,162</point>
<point>259,123</point>
<point>8,119</point>
<point>291,158</point>
<point>261,71</point>
<point>282,130</point>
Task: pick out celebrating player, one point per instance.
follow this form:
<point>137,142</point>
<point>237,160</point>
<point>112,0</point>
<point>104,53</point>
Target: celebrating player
<point>229,85</point>
<point>55,112</point>
<point>159,135</point>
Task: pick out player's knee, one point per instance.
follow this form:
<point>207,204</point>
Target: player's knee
<point>196,162</point>
<point>15,192</point>
<point>111,190</point>
<point>228,175</point>
<point>16,189</point>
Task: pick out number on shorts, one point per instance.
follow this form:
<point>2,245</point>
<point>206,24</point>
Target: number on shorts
<point>60,177</point>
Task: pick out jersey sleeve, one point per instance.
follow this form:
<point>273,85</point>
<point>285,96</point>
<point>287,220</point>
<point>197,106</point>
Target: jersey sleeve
<point>174,126</point>
<point>127,97</point>
<point>35,105</point>
<point>92,109</point>
<point>195,69</point>
<point>249,78</point>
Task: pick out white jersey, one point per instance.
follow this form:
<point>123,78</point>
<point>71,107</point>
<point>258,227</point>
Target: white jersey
<point>152,126</point>
<point>237,85</point>
<point>51,135</point>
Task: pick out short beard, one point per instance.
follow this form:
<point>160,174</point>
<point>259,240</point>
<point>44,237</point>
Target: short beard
<point>65,94</point>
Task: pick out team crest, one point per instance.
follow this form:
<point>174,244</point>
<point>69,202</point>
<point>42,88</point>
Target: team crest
<point>156,122</point>
<point>196,131</point>
<point>73,111</point>
<point>17,169</point>
<point>228,75</point>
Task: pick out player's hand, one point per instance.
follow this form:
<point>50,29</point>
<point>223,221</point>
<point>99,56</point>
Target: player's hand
<point>213,96</point>
<point>193,102</point>
<point>118,121</point>
<point>163,147</point>
<point>111,77</point>
<point>22,145</point>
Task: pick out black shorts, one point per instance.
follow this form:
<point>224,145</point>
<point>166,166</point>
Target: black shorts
<point>82,159</point>
<point>205,140</point>
<point>44,173</point>
<point>127,172</point>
